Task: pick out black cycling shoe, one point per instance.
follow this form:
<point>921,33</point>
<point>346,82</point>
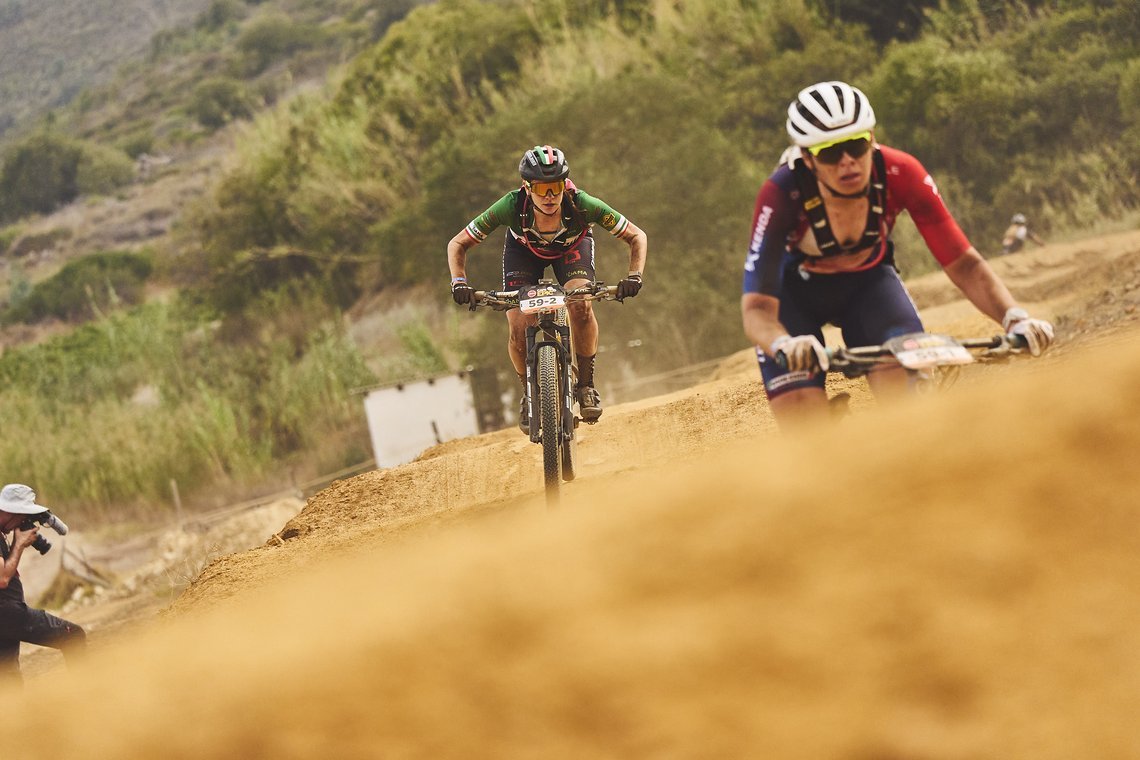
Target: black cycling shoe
<point>524,416</point>
<point>589,402</point>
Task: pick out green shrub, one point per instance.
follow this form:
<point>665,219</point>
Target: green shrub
<point>218,101</point>
<point>273,37</point>
<point>102,170</point>
<point>37,175</point>
<point>92,284</point>
<point>219,14</point>
<point>137,142</point>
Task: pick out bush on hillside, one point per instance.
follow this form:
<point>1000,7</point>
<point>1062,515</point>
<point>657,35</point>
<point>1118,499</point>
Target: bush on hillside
<point>38,175</point>
<point>47,171</point>
<point>102,170</point>
<point>219,14</point>
<point>268,39</point>
<point>218,101</point>
<point>83,288</point>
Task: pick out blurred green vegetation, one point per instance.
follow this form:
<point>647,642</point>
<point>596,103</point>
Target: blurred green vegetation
<point>122,406</point>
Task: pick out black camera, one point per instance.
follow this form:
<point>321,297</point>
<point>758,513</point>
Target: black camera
<point>41,544</point>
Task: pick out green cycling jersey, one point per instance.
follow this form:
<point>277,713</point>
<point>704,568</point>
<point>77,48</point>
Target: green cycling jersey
<point>579,212</point>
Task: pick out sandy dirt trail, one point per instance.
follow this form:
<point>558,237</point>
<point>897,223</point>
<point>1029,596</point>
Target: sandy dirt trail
<point>950,577</point>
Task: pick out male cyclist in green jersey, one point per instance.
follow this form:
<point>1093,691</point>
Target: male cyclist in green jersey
<point>548,223</point>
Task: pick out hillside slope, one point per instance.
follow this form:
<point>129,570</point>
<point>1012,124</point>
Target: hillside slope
<point>947,578</point>
<point>50,51</point>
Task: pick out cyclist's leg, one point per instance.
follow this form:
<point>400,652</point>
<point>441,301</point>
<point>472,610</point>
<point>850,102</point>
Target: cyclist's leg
<point>797,395</point>
<point>573,270</point>
<point>520,267</point>
<point>881,309</point>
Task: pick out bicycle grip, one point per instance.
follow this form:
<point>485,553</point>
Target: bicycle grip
<point>1016,341</point>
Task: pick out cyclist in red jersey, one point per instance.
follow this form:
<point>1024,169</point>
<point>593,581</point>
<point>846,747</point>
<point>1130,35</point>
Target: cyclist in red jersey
<point>821,251</point>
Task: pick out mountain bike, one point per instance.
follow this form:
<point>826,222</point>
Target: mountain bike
<point>551,373</point>
<point>931,360</point>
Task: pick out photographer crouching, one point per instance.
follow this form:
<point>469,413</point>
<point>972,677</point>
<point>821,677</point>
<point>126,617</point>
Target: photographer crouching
<point>21,516</point>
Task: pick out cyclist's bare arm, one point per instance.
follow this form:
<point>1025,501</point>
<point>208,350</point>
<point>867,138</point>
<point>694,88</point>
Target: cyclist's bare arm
<point>457,249</point>
<point>638,244</point>
<point>761,319</point>
<point>973,276</point>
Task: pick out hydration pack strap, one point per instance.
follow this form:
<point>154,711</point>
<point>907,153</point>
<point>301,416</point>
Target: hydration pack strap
<point>817,213</point>
<point>570,197</point>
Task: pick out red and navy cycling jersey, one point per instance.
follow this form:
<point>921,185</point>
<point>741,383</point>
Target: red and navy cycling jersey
<point>779,223</point>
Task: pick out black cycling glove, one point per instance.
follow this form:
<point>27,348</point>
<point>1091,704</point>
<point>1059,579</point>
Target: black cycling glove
<point>461,292</point>
<point>628,287</point>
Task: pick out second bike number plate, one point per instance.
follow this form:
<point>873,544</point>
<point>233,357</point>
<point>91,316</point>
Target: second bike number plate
<point>925,350</point>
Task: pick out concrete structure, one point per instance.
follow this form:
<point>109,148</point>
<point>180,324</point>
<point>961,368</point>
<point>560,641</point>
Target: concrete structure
<point>407,418</point>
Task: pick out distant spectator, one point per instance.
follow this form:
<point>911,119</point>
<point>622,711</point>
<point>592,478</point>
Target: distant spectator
<point>1014,238</point>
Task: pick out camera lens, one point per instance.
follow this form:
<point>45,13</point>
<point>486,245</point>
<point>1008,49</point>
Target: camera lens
<point>41,545</point>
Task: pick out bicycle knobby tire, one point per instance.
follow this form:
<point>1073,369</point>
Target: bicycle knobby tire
<point>551,426</point>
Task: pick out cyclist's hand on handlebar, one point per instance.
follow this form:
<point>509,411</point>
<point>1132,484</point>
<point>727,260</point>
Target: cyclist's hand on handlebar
<point>802,353</point>
<point>461,292</point>
<point>628,287</point>
<point>1038,333</point>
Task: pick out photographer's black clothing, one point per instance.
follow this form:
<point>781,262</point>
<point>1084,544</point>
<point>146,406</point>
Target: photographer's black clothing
<point>19,622</point>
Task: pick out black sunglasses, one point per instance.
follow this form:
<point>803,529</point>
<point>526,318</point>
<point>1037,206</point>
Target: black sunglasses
<point>832,154</point>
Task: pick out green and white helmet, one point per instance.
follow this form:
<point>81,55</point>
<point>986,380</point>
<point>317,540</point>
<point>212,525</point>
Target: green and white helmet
<point>828,111</point>
<point>543,163</point>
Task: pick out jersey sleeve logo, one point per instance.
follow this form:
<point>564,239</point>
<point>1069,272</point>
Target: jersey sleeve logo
<point>928,180</point>
<point>608,221</point>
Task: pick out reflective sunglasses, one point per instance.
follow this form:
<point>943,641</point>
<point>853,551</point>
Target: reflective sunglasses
<point>855,146</point>
<point>546,189</point>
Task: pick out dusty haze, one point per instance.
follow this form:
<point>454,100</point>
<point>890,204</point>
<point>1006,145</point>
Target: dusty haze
<point>953,577</point>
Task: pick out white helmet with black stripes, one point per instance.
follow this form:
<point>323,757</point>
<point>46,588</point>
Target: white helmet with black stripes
<point>828,111</point>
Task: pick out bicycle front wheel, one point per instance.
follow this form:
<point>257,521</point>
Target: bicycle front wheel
<point>549,421</point>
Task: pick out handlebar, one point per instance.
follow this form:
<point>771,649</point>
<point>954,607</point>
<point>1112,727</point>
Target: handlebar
<point>502,300</point>
<point>860,359</point>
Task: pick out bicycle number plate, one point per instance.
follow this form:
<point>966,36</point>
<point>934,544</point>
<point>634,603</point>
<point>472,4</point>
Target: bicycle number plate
<point>538,300</point>
<point>925,350</point>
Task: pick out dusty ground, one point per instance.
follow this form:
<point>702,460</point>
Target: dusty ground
<point>951,577</point>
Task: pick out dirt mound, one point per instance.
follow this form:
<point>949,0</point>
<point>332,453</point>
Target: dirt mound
<point>946,578</point>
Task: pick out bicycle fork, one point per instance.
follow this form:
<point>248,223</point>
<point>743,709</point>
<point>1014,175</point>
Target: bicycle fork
<point>558,336</point>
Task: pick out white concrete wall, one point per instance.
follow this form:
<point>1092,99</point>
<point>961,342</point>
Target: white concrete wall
<point>405,420</point>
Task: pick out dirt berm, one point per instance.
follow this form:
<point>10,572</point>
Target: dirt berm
<point>950,577</point>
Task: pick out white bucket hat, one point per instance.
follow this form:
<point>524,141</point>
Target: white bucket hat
<point>19,499</point>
